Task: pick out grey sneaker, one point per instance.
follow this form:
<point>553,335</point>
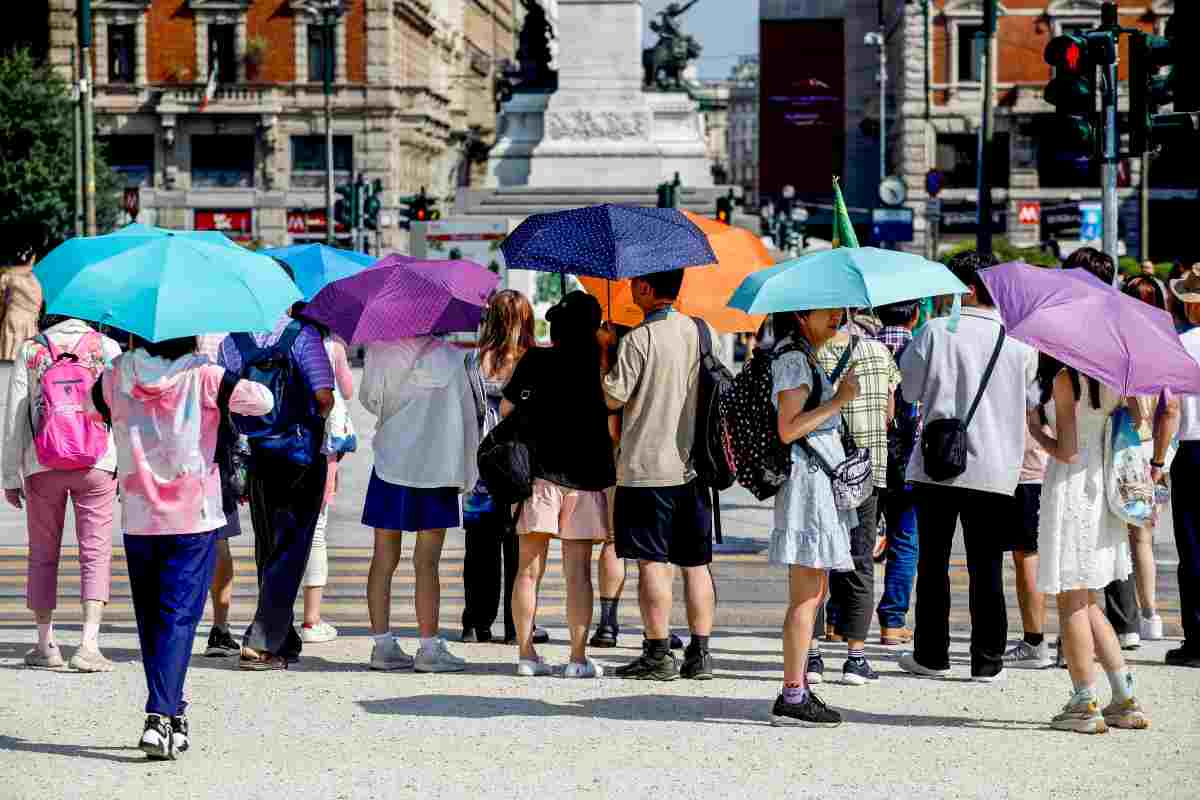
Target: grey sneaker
<point>51,659</point>
<point>1128,714</point>
<point>388,656</point>
<point>1023,655</point>
<point>88,659</point>
<point>436,658</point>
<point>1081,718</point>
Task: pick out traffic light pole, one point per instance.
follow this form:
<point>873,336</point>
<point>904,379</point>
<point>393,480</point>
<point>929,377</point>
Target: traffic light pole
<point>327,42</point>
<point>983,236</point>
<point>1108,172</point>
<point>85,101</point>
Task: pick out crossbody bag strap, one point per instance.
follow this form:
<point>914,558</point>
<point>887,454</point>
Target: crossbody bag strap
<point>987,376</point>
<point>844,361</point>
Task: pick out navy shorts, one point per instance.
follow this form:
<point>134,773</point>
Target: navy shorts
<point>405,508</point>
<point>232,526</point>
<point>665,524</point>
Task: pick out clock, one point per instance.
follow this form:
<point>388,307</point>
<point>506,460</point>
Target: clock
<point>892,191</point>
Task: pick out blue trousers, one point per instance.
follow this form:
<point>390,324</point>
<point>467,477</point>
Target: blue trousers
<point>169,578</point>
<point>902,553</point>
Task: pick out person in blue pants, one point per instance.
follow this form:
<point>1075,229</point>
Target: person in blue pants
<point>164,403</point>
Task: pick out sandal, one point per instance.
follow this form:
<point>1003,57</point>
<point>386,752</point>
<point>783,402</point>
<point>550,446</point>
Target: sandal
<point>254,661</point>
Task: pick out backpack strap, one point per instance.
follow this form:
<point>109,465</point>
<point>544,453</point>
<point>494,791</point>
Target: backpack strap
<point>45,342</point>
<point>705,338</point>
<point>91,339</point>
<point>245,346</point>
<point>987,376</point>
<point>289,336</point>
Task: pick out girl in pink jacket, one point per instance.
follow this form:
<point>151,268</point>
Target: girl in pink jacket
<point>165,403</point>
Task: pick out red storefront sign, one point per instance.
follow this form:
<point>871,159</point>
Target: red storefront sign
<point>237,224</point>
<point>1029,212</point>
<point>304,221</point>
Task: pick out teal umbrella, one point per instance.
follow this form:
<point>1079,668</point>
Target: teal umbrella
<point>846,277</point>
<point>316,265</point>
<point>212,237</point>
<point>164,285</point>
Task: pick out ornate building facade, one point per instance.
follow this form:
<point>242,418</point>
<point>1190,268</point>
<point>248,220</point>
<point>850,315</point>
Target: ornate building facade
<point>413,104</point>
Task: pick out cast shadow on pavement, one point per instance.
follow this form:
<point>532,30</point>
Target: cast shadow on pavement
<point>651,708</point>
<point>13,744</point>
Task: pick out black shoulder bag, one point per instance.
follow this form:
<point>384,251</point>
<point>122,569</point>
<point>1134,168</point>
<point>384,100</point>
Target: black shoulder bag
<point>944,442</point>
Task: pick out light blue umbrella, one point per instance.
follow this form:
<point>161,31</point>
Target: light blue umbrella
<point>316,265</point>
<point>212,237</point>
<point>846,277</point>
<point>164,286</point>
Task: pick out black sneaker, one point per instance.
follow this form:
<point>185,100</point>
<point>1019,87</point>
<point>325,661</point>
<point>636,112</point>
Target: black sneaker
<point>540,636</point>
<point>649,668</point>
<point>476,635</point>
<point>1060,659</point>
<point>697,665</point>
<point>815,671</point>
<point>1183,657</point>
<point>811,712</point>
<point>157,738</point>
<point>221,644</point>
<point>858,672</point>
<point>605,636</point>
<point>179,734</point>
<point>676,643</point>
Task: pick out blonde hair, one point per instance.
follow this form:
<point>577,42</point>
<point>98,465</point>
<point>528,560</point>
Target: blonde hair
<point>507,329</point>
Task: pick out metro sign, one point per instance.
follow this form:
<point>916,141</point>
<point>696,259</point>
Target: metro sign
<point>1029,212</point>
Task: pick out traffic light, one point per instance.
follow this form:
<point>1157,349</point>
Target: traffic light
<point>668,193</point>
<point>1072,92</point>
<point>725,210</point>
<point>418,207</point>
<point>1148,89</point>
<point>345,209</point>
<point>373,205</point>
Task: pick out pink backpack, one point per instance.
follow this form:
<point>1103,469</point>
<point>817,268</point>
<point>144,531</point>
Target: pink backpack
<point>66,436</point>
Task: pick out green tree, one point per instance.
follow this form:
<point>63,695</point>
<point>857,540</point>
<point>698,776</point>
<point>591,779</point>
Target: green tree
<point>37,180</point>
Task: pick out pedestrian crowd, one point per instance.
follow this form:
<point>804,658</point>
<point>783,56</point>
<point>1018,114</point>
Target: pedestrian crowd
<point>188,429</point>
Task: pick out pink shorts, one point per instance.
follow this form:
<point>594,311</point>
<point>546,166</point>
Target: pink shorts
<point>565,513</point>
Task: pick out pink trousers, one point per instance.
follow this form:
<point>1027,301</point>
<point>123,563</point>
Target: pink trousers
<point>92,493</point>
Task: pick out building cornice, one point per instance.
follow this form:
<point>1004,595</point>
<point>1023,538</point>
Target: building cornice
<point>418,13</point>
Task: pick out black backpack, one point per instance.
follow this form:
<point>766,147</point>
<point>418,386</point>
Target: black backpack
<point>712,452</point>
<point>763,461</point>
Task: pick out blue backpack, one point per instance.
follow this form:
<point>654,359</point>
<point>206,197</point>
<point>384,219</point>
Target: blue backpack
<point>291,431</point>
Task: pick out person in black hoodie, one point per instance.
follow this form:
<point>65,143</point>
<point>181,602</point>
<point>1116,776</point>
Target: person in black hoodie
<point>559,395</point>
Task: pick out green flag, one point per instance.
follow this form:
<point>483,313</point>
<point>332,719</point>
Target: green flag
<point>843,230</point>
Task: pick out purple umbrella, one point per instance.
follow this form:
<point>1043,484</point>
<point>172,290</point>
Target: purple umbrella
<point>1071,315</point>
<point>402,296</point>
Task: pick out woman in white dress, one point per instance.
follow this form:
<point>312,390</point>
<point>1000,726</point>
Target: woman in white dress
<point>1083,547</point>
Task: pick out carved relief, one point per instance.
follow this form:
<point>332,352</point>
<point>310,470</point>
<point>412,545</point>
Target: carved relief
<point>596,125</point>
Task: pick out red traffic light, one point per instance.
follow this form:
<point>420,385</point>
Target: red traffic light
<point>1067,53</point>
<point>420,215</point>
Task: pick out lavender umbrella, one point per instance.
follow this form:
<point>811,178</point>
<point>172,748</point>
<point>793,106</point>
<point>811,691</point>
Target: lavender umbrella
<point>402,296</point>
<point>1128,345</point>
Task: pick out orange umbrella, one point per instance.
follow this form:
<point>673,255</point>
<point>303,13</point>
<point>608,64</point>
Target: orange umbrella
<point>706,290</point>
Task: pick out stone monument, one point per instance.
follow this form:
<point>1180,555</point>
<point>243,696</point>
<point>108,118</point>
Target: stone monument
<point>600,127</point>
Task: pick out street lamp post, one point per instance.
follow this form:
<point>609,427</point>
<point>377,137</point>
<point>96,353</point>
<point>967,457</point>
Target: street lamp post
<point>326,13</point>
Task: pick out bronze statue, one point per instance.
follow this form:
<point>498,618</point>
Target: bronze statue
<point>666,61</point>
<point>533,51</point>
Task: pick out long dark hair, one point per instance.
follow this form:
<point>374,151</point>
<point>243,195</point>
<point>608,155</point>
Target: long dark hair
<point>1148,290</point>
<point>1048,369</point>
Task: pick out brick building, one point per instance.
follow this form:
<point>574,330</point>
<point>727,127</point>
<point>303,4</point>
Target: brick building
<point>934,110</point>
<point>413,93</point>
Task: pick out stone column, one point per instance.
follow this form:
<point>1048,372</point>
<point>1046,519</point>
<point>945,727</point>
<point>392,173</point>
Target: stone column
<point>201,49</point>
<point>239,47</point>
<point>100,49</point>
<point>142,52</point>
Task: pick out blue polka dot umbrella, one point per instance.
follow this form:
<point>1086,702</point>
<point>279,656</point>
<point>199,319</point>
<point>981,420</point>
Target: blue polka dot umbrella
<point>608,241</point>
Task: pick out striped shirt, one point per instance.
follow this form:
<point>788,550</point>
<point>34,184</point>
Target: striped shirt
<point>308,351</point>
<point>866,416</point>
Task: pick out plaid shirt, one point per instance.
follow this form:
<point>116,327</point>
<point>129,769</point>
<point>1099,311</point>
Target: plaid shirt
<point>866,417</point>
<point>894,337</point>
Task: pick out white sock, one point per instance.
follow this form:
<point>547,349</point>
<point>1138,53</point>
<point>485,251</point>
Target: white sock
<point>428,642</point>
<point>91,636</point>
<point>382,638</point>
<point>45,635</point>
<point>1121,683</point>
<point>1083,694</point>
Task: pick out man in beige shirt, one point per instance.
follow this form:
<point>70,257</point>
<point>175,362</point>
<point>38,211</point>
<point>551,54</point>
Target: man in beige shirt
<point>663,517</point>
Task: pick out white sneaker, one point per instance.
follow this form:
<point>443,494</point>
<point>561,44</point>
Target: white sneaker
<point>589,669</point>
<point>389,656</point>
<point>1152,629</point>
<point>1023,655</point>
<point>908,663</point>
<point>436,658</point>
<point>534,667</point>
<point>1130,641</point>
<point>321,632</point>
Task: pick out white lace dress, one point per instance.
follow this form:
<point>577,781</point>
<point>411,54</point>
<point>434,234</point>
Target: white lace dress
<point>1081,543</point>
